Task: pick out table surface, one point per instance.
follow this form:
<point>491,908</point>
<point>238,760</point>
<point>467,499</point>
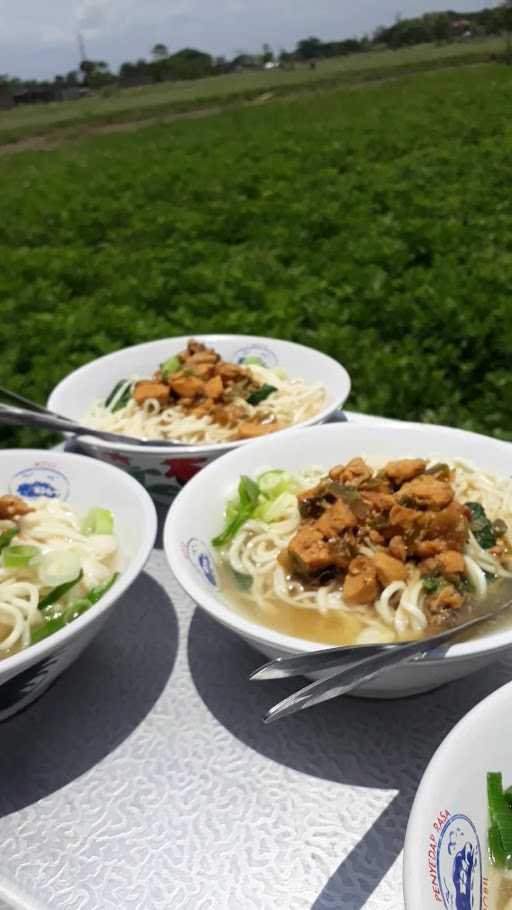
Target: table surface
<point>144,777</point>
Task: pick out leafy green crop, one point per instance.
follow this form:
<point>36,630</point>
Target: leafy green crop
<point>374,225</point>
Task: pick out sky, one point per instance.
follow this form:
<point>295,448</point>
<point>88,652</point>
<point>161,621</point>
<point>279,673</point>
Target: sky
<point>38,38</point>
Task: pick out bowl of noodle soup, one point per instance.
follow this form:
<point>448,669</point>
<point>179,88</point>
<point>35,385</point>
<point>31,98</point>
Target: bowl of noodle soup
<point>207,395</point>
<point>295,546</point>
<point>74,535</point>
<point>450,856</point>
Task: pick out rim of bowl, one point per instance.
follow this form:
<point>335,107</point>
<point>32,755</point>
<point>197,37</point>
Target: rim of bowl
<point>413,849</point>
<point>220,610</point>
<point>213,447</point>
<point>126,577</point>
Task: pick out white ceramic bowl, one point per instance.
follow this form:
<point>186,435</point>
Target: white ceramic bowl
<point>196,517</point>
<point>445,854</point>
<point>164,471</point>
<point>83,482</point>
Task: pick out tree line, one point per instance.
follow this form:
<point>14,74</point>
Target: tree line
<point>190,63</point>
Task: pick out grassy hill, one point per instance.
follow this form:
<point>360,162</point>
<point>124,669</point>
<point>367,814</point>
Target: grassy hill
<point>159,101</point>
<point>375,225</point>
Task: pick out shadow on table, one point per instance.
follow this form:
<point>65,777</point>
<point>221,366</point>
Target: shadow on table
<point>95,704</point>
<point>338,741</point>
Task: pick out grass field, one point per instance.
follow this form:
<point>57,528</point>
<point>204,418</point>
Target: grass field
<point>375,225</point>
<point>174,98</point>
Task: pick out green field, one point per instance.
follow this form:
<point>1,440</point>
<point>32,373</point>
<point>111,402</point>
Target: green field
<point>375,225</point>
<point>166,99</point>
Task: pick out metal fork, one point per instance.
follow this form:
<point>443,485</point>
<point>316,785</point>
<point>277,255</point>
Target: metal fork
<point>359,664</point>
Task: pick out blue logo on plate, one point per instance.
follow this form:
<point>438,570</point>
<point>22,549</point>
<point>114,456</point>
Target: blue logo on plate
<point>267,357</point>
<point>40,481</point>
<point>459,864</point>
<point>202,560</point>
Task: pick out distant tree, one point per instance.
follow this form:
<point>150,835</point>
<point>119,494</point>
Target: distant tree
<point>72,77</point>
<point>309,48</point>
<point>441,27</point>
<point>96,73</point>
<point>267,55</point>
<point>159,51</point>
<point>506,18</point>
<point>190,63</point>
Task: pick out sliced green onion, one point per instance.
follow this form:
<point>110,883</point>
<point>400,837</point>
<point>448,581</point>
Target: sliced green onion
<point>72,612</point>
<point>496,852</point>
<point>280,373</point>
<point>240,511</point>
<point>56,593</point>
<point>97,521</point>
<point>273,483</point>
<point>95,593</point>
<point>499,810</point>
<point>253,361</point>
<point>47,628</point>
<point>276,508</point>
<point>242,581</point>
<point>170,366</point>
<point>6,537</point>
<point>19,556</point>
<point>260,394</point>
<point>59,567</point>
<point>119,396</point>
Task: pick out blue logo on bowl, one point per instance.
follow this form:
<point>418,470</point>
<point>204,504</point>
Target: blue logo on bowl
<point>267,357</point>
<point>40,481</point>
<point>202,560</point>
<point>459,864</point>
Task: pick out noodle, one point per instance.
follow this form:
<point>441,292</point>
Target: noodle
<point>53,528</point>
<point>294,401</point>
<point>400,611</point>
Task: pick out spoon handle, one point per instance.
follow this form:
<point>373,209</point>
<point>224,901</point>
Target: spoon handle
<point>25,418</point>
<point>16,399</point>
<point>48,421</point>
<point>342,681</point>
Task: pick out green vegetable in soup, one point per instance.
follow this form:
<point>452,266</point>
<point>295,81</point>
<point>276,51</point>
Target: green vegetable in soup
<point>119,396</point>
<point>273,483</point>
<point>242,581</point>
<point>172,365</point>
<point>97,521</point>
<point>56,623</point>
<point>495,847</point>
<point>6,537</point>
<point>19,557</point>
<point>56,593</point>
<point>261,394</point>
<point>240,511</point>
<point>485,533</point>
<point>432,583</point>
<point>500,817</point>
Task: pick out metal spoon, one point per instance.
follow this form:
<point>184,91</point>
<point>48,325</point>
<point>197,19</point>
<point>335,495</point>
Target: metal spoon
<point>359,665</point>
<point>47,420</point>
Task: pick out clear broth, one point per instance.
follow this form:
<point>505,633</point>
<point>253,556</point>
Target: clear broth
<point>333,629</point>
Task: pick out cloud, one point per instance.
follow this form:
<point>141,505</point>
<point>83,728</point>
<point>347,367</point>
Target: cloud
<point>93,15</point>
<point>38,38</point>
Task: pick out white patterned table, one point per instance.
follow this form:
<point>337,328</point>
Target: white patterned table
<point>145,779</point>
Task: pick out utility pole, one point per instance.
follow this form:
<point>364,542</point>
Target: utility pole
<point>81,48</point>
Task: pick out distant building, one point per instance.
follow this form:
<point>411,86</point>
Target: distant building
<point>6,99</point>
<point>35,96</point>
